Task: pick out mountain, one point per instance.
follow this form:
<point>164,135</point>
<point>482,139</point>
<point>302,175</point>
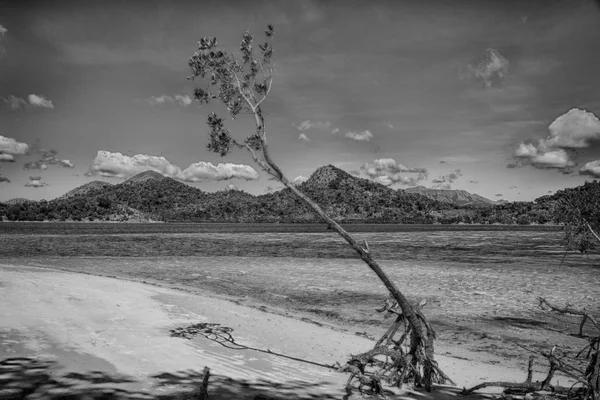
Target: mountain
<point>95,186</point>
<point>458,197</point>
<point>16,200</point>
<point>150,196</point>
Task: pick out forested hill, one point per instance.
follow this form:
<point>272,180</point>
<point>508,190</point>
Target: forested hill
<point>151,196</point>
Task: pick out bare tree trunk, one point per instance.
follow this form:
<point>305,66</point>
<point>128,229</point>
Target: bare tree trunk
<point>418,337</point>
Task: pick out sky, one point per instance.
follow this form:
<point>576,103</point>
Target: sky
<point>499,98</point>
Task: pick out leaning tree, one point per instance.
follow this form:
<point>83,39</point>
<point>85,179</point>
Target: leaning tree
<point>242,85</point>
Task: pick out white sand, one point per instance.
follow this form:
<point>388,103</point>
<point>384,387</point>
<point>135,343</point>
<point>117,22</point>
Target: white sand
<point>95,323</point>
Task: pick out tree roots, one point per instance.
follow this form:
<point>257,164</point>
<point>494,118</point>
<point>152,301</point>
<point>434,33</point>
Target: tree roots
<point>397,358</point>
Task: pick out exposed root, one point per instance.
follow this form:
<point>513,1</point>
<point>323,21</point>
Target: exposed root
<point>398,357</point>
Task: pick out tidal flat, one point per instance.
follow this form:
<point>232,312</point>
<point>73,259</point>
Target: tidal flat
<point>481,284</point>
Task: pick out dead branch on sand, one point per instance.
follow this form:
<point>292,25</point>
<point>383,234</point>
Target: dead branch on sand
<point>587,382</point>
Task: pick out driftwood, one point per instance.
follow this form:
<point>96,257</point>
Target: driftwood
<point>587,382</point>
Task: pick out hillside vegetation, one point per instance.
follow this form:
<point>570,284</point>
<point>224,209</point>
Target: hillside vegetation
<point>152,197</point>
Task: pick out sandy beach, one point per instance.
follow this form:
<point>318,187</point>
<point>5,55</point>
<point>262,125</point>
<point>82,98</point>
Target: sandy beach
<point>89,323</point>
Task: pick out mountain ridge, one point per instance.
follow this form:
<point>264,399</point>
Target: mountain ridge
<point>348,199</point>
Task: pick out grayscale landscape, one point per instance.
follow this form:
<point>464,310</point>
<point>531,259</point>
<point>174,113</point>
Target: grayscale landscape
<point>299,200</point>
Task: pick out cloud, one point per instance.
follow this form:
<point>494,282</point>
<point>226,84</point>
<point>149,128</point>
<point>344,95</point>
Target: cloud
<point>12,147</point>
<point>498,195</point>
<point>334,131</point>
<point>526,150</point>
<point>6,157</point>
<point>445,181</point>
<point>3,31</point>
<point>117,165</point>
<point>558,159</point>
<point>474,182</point>
<point>66,164</point>
<point>511,165</point>
<point>182,100</point>
<point>591,168</point>
<point>36,184</point>
<point>4,179</point>
<point>363,136</point>
<point>308,124</point>
<point>231,186</point>
<point>387,172</point>
<point>48,157</point>
<point>39,101</point>
<point>513,187</point>
<point>15,103</point>
<point>203,171</point>
<point>39,165</point>
<point>299,179</point>
<point>492,69</point>
<point>303,136</point>
<point>575,129</point>
<point>35,178</point>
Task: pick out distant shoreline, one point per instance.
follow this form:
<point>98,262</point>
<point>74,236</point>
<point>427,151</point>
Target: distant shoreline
<point>303,227</point>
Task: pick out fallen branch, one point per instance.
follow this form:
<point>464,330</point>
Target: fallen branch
<point>567,310</point>
<point>222,335</point>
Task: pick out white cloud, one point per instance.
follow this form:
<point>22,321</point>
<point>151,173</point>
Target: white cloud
<point>66,164</point>
<point>442,186</point>
<point>203,171</point>
<point>35,178</point>
<point>303,136</point>
<point>526,150</point>
<point>552,159</point>
<point>308,124</point>
<point>4,179</point>
<point>3,31</point>
<point>591,168</point>
<point>15,103</point>
<point>182,100</point>
<point>11,146</point>
<point>299,179</point>
<point>387,172</point>
<point>363,136</point>
<point>493,67</point>
<point>334,131</point>
<point>574,129</point>
<point>38,164</point>
<point>117,165</point>
<point>7,157</point>
<point>231,186</point>
<point>36,184</point>
<point>445,181</point>
<point>39,101</point>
